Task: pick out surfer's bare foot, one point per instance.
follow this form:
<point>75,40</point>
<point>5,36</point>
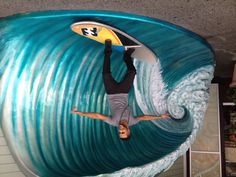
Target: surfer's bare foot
<point>108,44</point>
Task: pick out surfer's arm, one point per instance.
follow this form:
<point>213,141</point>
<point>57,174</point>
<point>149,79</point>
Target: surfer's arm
<point>148,117</point>
<point>92,115</point>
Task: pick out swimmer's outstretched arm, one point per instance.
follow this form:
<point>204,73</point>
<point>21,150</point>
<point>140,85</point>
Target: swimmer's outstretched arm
<point>92,115</point>
<point>148,117</point>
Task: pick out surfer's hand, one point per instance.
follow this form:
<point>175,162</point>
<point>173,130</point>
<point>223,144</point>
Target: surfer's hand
<point>73,110</point>
<point>165,115</point>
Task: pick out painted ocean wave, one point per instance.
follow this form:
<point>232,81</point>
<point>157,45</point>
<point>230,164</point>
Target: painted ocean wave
<point>46,70</point>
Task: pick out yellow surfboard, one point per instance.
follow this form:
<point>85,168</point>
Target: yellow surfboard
<point>97,33</point>
<point>120,40</point>
<point>100,32</point>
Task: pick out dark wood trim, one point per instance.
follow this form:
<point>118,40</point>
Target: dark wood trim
<point>223,84</point>
<point>188,164</point>
<point>222,142</point>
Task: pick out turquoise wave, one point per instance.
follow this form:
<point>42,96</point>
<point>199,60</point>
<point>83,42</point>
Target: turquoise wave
<point>46,70</point>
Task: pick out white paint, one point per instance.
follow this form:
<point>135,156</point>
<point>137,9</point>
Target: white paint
<point>228,104</point>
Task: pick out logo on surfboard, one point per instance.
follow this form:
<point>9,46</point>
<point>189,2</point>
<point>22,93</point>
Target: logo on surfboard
<point>89,31</point>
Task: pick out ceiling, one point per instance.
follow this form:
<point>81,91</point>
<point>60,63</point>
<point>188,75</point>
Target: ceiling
<point>215,20</point>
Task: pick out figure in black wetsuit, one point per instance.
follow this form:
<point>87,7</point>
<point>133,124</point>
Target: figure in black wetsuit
<point>117,92</point>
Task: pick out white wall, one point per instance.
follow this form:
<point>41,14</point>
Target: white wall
<point>205,153</point>
<point>177,170</point>
<point>8,166</point>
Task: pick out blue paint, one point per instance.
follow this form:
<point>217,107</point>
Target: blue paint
<point>46,70</point>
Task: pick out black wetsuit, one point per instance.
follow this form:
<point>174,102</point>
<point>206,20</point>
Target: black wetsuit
<point>111,85</point>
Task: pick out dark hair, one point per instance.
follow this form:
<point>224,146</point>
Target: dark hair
<point>124,123</point>
<point>127,127</point>
<point>126,139</point>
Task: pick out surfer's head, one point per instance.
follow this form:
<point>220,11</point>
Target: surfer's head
<point>124,131</point>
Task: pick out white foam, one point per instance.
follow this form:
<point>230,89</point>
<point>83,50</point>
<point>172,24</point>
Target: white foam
<point>191,92</point>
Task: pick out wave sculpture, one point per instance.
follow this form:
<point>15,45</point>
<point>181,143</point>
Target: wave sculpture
<point>46,70</point>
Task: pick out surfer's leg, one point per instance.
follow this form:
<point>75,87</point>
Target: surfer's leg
<point>111,86</point>
<point>128,80</point>
<point>128,59</point>
<point>109,82</point>
<point>107,55</point>
<point>127,83</point>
